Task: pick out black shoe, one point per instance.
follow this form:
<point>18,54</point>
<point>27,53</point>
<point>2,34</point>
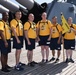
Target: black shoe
<point>34,62</point>
<point>31,64</point>
<point>71,60</point>
<point>52,59</point>
<point>46,60</point>
<point>57,60</point>
<point>21,64</point>
<point>43,61</point>
<point>8,67</point>
<point>67,60</point>
<point>5,70</point>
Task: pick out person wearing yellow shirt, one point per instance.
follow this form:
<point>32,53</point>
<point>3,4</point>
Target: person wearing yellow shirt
<point>17,33</point>
<point>44,35</point>
<point>30,36</point>
<point>69,40</point>
<point>55,43</point>
<point>5,42</point>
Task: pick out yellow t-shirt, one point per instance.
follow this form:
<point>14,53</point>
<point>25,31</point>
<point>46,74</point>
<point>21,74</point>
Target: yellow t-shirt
<point>31,28</point>
<point>6,29</point>
<point>70,35</point>
<point>56,29</point>
<point>18,27</point>
<point>44,27</point>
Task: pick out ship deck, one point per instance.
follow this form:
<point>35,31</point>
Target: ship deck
<point>49,68</point>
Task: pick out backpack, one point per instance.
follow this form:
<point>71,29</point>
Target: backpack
<point>30,24</point>
<point>18,25</point>
<point>18,22</point>
<point>57,28</point>
<point>43,22</point>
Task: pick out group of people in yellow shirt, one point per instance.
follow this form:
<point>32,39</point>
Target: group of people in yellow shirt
<point>47,34</point>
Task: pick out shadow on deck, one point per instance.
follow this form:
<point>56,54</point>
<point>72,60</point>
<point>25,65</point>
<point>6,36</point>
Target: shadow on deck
<point>39,69</point>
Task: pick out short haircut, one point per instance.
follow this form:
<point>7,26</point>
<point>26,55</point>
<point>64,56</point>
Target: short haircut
<point>54,17</point>
<point>4,13</point>
<point>43,12</point>
<point>17,11</point>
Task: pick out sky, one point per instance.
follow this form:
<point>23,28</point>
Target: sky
<point>38,1</point>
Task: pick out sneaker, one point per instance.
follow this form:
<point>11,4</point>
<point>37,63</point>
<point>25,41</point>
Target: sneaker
<point>19,68</point>
<point>52,59</point>
<point>21,64</point>
<point>5,70</point>
<point>57,60</point>
<point>67,60</point>
<point>71,60</point>
<point>31,64</point>
<point>34,62</point>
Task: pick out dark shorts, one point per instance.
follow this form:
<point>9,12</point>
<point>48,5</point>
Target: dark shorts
<point>16,45</point>
<point>69,44</point>
<point>54,45</point>
<point>3,49</point>
<point>44,40</point>
<point>30,47</point>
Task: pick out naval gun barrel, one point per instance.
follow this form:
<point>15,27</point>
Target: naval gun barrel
<point>9,5</point>
<point>34,7</point>
<point>3,9</point>
<point>31,4</point>
<point>13,8</point>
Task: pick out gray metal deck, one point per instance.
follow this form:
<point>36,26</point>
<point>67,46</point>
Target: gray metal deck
<point>49,68</point>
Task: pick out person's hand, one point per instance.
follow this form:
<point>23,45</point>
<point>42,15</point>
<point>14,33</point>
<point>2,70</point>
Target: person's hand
<point>72,29</point>
<point>38,39</point>
<point>62,41</point>
<point>58,42</point>
<point>29,43</point>
<point>49,39</point>
<point>6,44</point>
<point>18,41</point>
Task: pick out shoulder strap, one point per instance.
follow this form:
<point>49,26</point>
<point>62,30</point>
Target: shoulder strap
<point>43,22</point>
<point>18,26</point>
<point>30,24</point>
<point>17,22</point>
<point>57,27</point>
